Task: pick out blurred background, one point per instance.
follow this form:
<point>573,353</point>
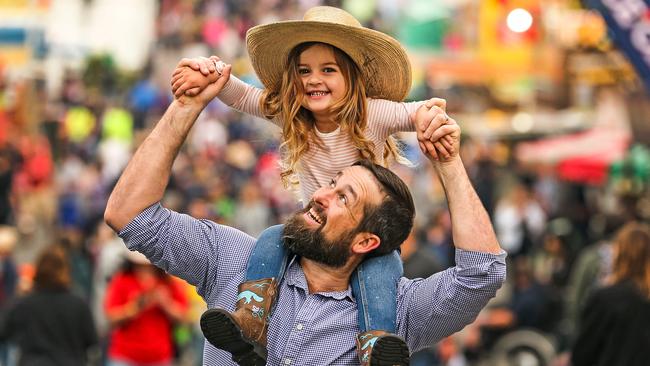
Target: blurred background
<point>552,98</point>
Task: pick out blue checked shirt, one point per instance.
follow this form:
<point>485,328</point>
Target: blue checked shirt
<point>309,329</point>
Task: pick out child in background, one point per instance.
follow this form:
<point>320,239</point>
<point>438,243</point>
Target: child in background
<point>335,88</point>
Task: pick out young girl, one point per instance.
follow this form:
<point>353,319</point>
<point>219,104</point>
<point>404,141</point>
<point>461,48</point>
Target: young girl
<point>335,89</point>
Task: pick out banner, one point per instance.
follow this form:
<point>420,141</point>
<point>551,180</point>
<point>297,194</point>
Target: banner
<point>629,25</point>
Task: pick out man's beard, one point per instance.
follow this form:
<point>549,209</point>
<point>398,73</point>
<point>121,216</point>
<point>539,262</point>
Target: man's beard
<point>311,244</point>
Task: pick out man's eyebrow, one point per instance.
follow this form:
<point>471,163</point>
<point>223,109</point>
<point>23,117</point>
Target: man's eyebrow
<point>348,188</point>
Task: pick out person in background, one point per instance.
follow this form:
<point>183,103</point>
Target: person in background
<point>419,262</point>
<point>519,221</point>
<point>614,326</point>
<point>142,305</point>
<point>8,270</point>
<point>8,277</point>
<point>50,325</point>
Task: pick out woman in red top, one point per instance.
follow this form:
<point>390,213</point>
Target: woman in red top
<point>142,303</point>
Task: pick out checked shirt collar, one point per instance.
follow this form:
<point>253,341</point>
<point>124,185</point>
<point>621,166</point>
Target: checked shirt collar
<point>295,277</point>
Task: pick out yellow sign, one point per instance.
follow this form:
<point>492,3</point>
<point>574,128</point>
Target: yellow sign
<point>501,48</point>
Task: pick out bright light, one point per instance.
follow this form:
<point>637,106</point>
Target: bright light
<point>519,20</point>
<point>522,122</point>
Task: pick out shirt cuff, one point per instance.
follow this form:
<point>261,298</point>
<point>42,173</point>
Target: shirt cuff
<point>479,263</point>
<point>138,226</point>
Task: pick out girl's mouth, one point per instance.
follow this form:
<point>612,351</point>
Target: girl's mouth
<point>317,94</point>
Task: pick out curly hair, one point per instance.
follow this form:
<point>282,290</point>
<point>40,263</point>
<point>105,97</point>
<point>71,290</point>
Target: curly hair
<point>285,102</point>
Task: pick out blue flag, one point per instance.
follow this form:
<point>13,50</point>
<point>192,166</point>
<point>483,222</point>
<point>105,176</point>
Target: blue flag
<point>629,25</point>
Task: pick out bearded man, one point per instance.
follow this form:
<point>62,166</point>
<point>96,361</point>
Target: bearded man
<point>315,317</point>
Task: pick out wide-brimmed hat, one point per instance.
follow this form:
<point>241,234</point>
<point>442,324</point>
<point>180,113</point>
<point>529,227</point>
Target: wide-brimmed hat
<point>383,61</point>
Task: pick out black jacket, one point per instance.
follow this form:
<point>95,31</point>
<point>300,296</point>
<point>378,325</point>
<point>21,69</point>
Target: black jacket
<point>614,328</point>
<point>50,328</point>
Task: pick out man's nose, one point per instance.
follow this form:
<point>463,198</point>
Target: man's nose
<point>323,195</point>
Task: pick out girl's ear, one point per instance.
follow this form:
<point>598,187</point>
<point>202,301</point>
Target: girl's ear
<point>365,243</point>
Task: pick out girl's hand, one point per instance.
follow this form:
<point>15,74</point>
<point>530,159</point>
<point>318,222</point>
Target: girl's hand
<point>429,117</point>
<point>204,64</point>
<point>438,135</point>
<point>201,95</point>
<point>193,75</point>
<point>424,126</point>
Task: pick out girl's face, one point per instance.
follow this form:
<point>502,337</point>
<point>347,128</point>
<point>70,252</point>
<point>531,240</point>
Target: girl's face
<point>322,80</point>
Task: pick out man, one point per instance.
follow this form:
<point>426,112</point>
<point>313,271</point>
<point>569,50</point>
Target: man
<point>314,322</point>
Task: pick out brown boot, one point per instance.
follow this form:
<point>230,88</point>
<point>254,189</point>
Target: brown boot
<point>243,333</point>
<point>380,348</point>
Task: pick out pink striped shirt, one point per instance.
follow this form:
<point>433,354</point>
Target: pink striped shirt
<point>320,164</point>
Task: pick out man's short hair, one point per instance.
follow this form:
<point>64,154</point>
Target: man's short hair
<point>392,219</point>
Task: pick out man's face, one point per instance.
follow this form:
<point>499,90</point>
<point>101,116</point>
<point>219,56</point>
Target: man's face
<point>324,230</point>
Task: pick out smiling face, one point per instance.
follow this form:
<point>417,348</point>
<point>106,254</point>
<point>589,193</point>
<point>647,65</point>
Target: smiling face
<point>326,228</point>
<point>322,80</point>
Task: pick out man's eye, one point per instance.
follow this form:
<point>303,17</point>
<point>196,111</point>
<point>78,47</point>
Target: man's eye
<point>332,183</point>
<point>343,199</point>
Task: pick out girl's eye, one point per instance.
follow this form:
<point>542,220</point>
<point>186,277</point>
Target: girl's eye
<point>303,71</point>
<point>329,69</point>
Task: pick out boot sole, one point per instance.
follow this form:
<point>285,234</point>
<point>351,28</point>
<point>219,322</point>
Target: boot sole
<point>221,330</point>
<point>390,350</point>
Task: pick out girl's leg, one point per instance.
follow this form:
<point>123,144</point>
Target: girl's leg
<point>269,257</point>
<point>243,332</point>
<point>374,286</point>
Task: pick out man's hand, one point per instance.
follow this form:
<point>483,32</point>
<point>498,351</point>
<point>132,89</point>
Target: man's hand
<point>438,135</point>
<point>200,78</point>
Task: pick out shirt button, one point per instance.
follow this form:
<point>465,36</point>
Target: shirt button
<point>287,361</point>
<point>299,326</point>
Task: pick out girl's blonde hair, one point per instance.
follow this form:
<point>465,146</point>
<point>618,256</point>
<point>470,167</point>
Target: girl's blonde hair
<point>351,113</point>
<point>632,260</point>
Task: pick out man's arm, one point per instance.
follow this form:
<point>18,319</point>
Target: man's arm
<point>433,308</point>
<point>144,180</point>
<point>471,226</point>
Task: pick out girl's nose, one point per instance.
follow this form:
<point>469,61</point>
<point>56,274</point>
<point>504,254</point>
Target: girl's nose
<point>314,80</point>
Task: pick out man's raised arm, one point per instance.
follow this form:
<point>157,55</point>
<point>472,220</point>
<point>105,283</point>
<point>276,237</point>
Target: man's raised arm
<point>145,178</point>
<point>471,226</point>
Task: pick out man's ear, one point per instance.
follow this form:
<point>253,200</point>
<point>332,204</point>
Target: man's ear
<point>364,243</point>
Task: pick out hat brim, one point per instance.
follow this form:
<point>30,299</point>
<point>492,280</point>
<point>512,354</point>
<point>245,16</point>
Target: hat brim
<point>381,58</point>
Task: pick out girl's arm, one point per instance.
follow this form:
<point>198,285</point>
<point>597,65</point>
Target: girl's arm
<point>386,118</point>
<point>193,75</point>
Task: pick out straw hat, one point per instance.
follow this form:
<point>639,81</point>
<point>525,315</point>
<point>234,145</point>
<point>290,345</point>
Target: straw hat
<point>383,61</point>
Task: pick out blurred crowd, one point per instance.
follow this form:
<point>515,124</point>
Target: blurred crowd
<point>61,153</point>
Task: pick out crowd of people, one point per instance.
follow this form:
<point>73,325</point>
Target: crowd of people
<point>61,155</point>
